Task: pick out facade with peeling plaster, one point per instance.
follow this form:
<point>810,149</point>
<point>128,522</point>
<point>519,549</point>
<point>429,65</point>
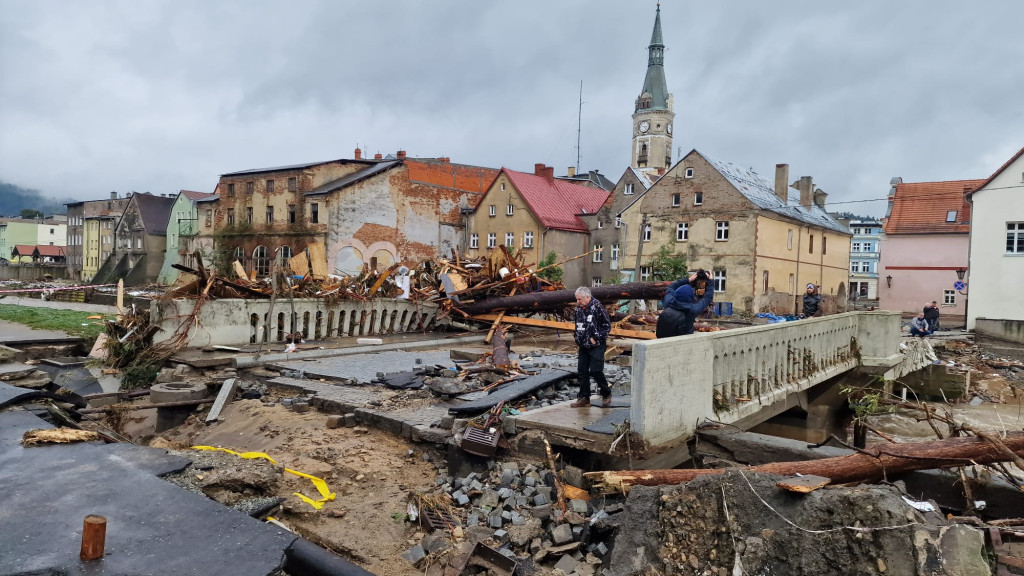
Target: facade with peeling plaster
<point>366,212</point>
<point>90,234</point>
<point>140,240</point>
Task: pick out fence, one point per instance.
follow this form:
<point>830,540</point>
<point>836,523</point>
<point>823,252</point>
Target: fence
<point>238,321</point>
<point>29,272</point>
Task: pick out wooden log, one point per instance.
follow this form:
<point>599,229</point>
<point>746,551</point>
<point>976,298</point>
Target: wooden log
<point>555,325</point>
<point>869,465</point>
<point>500,356</point>
<point>558,299</point>
<point>94,537</point>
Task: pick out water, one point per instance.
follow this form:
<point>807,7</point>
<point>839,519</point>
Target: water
<point>904,427</point>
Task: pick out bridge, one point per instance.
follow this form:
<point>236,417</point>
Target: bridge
<point>741,377</point>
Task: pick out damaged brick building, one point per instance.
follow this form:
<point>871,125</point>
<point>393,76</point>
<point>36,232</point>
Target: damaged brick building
<point>365,211</point>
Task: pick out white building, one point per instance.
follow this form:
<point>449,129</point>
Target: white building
<point>996,271</point>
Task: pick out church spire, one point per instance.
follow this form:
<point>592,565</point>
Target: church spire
<point>654,95</point>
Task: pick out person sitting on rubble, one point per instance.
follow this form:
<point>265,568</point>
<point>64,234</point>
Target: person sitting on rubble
<point>680,310</point>
<point>919,326</point>
<point>931,314</point>
<point>812,302</point>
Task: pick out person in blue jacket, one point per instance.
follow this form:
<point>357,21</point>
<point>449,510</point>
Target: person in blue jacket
<point>681,309</point>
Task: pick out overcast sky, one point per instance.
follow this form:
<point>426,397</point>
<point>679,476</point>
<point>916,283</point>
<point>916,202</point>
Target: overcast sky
<point>165,95</point>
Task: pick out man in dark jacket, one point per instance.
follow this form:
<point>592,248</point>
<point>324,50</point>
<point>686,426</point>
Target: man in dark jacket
<point>931,314</point>
<point>591,335</point>
<point>680,311</point>
<point>812,302</point>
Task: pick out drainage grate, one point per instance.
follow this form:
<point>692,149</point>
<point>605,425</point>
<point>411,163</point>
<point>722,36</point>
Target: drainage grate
<point>480,442</point>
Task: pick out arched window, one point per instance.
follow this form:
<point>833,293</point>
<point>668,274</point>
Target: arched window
<point>286,253</point>
<point>261,261</point>
<point>239,255</point>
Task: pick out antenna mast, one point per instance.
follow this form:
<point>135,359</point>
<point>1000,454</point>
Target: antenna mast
<point>579,127</point>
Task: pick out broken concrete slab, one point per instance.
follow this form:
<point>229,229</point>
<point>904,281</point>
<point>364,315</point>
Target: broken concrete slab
<point>226,393</point>
<point>512,391</point>
<point>15,371</point>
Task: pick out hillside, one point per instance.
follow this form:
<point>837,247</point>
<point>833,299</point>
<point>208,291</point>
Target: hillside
<point>14,199</point>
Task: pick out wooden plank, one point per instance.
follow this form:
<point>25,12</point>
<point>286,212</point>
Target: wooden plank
<point>299,264</point>
<point>317,260</point>
<point>638,334</point>
<point>240,270</point>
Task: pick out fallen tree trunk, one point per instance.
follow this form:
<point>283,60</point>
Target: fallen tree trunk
<point>568,326</point>
<point>558,299</point>
<point>869,465</point>
<point>500,348</point>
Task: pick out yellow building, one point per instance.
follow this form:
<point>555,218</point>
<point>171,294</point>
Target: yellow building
<point>538,214</point>
<point>761,246</point>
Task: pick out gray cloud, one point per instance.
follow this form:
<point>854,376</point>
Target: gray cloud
<point>124,95</point>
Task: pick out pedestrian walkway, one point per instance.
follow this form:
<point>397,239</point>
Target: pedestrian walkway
<point>14,333</point>
<point>79,306</point>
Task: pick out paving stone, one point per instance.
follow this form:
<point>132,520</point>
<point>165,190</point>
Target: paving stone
<point>462,499</point>
<point>578,506</point>
<point>489,498</point>
<point>500,536</point>
<point>350,420</point>
<point>600,549</point>
<point>335,421</point>
<point>436,541</point>
<point>472,519</point>
<point>476,485</point>
<point>567,564</point>
<point>415,554</point>
<point>495,521</point>
<point>530,481</point>
<point>562,534</point>
<point>540,500</point>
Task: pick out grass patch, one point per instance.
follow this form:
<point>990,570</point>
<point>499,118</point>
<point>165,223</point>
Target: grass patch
<point>70,321</point>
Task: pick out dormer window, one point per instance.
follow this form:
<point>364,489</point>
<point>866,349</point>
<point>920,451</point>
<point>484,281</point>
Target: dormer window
<point>951,216</point>
<point>688,173</point>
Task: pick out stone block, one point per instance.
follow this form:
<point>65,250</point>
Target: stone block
<point>540,500</point>
<point>489,499</point>
<point>500,536</point>
<point>567,564</point>
<point>437,541</point>
<point>350,420</point>
<point>301,407</point>
<point>472,520</point>
<point>462,499</point>
<point>561,534</point>
<point>573,475</point>
<point>415,554</point>
<point>542,512</point>
<point>335,421</point>
<point>495,521</point>
<point>578,506</point>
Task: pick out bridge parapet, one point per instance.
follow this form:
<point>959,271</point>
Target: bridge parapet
<point>732,375</point>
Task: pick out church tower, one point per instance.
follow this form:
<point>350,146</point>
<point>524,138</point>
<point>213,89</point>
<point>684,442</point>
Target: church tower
<point>652,119</point>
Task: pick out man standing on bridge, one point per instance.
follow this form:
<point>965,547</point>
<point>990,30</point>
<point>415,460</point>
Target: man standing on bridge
<point>592,328</point>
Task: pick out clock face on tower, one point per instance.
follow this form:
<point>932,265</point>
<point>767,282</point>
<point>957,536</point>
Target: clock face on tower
<point>644,126</point>
<point>669,128</point>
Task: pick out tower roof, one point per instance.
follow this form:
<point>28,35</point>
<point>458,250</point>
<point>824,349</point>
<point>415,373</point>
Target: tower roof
<point>654,95</point>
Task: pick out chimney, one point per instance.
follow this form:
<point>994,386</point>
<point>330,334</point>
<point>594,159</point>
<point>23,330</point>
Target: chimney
<point>572,171</point>
<point>359,154</point>
<point>781,177</point>
<point>819,198</point>
<point>378,156</point>
<point>661,171</point>
<point>538,169</point>
<point>113,195</point>
<point>444,159</point>
<point>400,154</point>
<point>806,187</point>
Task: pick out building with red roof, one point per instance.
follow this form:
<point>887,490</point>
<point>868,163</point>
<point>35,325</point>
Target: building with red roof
<point>926,240</point>
<point>538,214</point>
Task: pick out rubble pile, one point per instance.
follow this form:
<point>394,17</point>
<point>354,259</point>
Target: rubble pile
<point>514,510</point>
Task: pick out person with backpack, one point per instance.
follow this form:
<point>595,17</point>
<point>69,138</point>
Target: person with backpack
<point>681,307</point>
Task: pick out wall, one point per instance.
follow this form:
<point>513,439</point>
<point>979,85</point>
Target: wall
<point>184,218</point>
<point>28,272</point>
<point>242,321</point>
<point>15,232</point>
<point>996,277</point>
<point>828,269</point>
<point>921,266</point>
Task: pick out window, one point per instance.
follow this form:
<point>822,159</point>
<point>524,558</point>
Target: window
<point>286,253</point>
<point>492,240</point>
<point>810,244</point>
<point>856,247</point>
<point>248,215</point>
<point>293,184</point>
<point>628,191</point>
<point>719,280</point>
<point>209,217</point>
<point>824,244</point>
<point>509,210</point>
<point>682,232</point>
<point>270,214</point>
<point>1015,237</point>
<point>510,239</point>
<point>688,172</point>
<point>270,186</point>
<point>260,261</point>
<point>764,282</point>
<point>598,253</point>
<point>51,230</point>
<point>502,186</point>
<point>138,242</point>
<point>647,232</point>
<point>527,239</point>
<point>493,211</point>
<point>314,213</point>
<point>615,252</point>
<point>600,224</point>
<point>721,231</point>
<point>231,190</point>
<point>249,187</point>
<point>949,297</point>
<point>645,273</point>
<point>596,281</point>
<point>231,216</point>
<point>474,240</point>
<point>698,199</point>
<point>239,255</point>
<point>856,230</point>
<point>951,216</point>
<point>618,222</point>
<point>675,200</point>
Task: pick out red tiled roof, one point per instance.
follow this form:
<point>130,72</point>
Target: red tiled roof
<point>557,202</point>
<point>23,249</point>
<point>193,195</point>
<point>999,171</point>
<point>922,207</point>
<point>47,250</point>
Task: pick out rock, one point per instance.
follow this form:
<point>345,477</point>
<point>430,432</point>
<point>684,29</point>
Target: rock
<point>500,536</point>
<point>335,420</point>
<point>476,534</point>
<point>567,564</point>
<point>521,535</point>
<point>449,386</point>
<point>350,421</point>
<point>562,534</point>
<point>489,499</point>
<point>436,541</point>
<point>415,554</point>
<point>579,506</point>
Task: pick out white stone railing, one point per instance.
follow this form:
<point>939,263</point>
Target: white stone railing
<point>731,375</point>
<point>238,321</point>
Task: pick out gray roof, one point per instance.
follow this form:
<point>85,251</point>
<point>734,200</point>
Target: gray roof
<point>297,166</point>
<point>372,170</point>
<point>762,194</point>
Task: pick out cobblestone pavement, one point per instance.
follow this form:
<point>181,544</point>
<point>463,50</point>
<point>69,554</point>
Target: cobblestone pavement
<point>363,368</point>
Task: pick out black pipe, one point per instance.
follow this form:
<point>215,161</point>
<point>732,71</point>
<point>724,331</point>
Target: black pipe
<point>307,559</point>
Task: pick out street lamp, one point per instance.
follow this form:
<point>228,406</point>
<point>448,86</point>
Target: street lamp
<point>960,273</point>
<point>888,281</point>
